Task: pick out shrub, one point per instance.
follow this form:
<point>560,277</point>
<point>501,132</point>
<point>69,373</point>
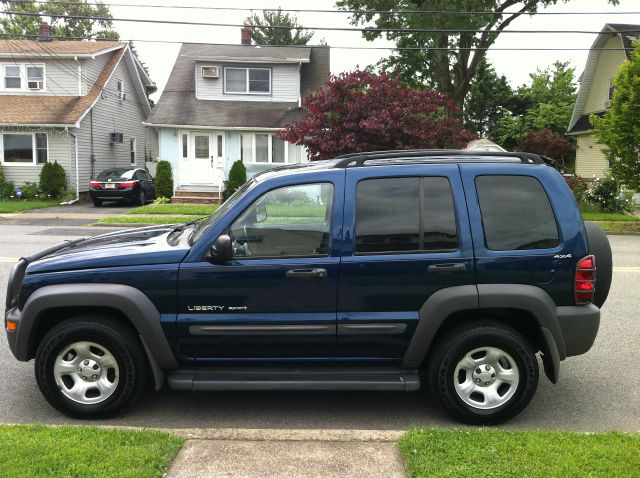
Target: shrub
<point>52,180</point>
<point>607,194</point>
<point>1,174</point>
<point>578,186</point>
<point>30,191</point>
<point>164,179</point>
<point>7,189</point>
<point>162,200</point>
<point>237,177</point>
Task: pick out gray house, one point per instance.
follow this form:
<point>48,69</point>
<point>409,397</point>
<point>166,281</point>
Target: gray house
<point>80,103</point>
<point>223,103</point>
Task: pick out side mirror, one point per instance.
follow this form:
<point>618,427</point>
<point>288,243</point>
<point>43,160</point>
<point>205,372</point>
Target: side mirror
<point>261,213</point>
<point>221,251</point>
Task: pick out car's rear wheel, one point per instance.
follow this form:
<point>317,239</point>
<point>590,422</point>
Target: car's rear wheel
<point>90,367</point>
<point>484,373</point>
<point>97,202</point>
<point>141,199</point>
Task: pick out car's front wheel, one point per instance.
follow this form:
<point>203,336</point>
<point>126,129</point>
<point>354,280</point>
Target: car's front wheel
<point>483,374</point>
<point>90,367</point>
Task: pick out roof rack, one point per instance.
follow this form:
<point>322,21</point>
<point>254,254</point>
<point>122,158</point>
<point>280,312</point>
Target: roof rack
<point>438,156</point>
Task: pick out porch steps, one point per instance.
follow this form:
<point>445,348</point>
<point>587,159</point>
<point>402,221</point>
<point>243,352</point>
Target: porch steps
<point>196,196</point>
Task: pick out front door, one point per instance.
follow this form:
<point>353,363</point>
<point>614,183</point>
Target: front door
<point>203,163</point>
<point>406,237</point>
<point>277,298</point>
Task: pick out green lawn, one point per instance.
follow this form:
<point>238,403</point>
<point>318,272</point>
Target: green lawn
<point>17,205</point>
<point>606,216</point>
<point>532,454</point>
<point>36,451</point>
<point>620,226</point>
<point>176,209</point>
<point>156,219</point>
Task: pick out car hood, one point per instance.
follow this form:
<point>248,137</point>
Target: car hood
<point>131,247</point>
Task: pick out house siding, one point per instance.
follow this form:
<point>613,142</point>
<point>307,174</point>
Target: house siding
<point>58,145</point>
<point>169,141</point>
<point>285,83</point>
<point>607,68</point>
<point>590,160</point>
<point>113,115</point>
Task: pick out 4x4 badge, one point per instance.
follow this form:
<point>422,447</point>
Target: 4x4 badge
<point>562,256</point>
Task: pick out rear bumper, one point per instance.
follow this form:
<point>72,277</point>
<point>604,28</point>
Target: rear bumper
<point>579,325</point>
<point>113,194</point>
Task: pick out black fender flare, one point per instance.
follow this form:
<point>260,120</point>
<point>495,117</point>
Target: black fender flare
<point>531,299</point>
<point>131,302</point>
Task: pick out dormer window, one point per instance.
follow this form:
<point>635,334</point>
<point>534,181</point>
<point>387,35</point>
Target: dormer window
<point>254,81</point>
<point>22,77</point>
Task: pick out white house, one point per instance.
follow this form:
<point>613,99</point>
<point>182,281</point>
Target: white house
<point>223,103</point>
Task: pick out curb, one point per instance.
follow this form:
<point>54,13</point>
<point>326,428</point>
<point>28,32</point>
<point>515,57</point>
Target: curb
<point>319,435</point>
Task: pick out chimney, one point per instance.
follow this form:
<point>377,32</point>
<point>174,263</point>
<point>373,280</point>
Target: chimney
<point>45,32</point>
<point>245,35</point>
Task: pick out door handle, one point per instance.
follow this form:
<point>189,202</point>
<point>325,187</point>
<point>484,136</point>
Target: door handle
<point>306,274</point>
<point>445,268</point>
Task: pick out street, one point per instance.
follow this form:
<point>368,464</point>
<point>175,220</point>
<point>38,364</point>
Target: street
<point>597,391</point>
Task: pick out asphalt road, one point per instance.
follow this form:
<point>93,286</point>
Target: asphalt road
<point>597,391</point>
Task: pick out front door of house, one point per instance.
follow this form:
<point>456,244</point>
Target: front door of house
<point>204,161</point>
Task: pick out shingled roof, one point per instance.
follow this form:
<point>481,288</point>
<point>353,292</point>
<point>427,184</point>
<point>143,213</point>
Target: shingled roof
<point>48,110</point>
<point>178,105</point>
<point>57,48</point>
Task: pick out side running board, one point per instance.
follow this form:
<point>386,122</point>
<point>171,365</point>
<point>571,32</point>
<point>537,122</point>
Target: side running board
<point>294,378</point>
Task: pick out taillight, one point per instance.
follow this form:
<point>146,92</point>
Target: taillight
<point>94,184</point>
<point>585,284</point>
<point>129,184</point>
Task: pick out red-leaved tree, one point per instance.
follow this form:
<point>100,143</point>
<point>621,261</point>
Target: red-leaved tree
<point>363,111</point>
<point>550,144</point>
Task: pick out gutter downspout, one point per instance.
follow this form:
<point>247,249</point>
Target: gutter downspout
<point>75,144</point>
<point>93,156</point>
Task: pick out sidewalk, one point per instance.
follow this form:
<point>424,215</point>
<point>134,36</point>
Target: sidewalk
<point>288,454</point>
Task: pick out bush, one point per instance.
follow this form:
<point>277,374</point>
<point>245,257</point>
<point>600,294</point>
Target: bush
<point>578,186</point>
<point>237,177</point>
<point>1,174</point>
<point>164,179</point>
<point>30,191</point>
<point>7,189</point>
<point>162,200</point>
<point>607,194</point>
<point>52,180</point>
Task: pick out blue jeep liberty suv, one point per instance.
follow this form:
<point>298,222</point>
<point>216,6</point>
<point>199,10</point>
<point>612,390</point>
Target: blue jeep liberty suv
<point>395,270</point>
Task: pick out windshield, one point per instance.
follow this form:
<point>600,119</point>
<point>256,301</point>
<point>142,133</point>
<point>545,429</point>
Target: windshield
<point>204,226</point>
<point>116,174</point>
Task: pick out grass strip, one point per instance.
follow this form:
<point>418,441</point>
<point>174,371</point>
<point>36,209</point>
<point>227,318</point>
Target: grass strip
<point>37,451</point>
<point>156,219</point>
<point>175,209</point>
<point>606,216</point>
<point>620,226</point>
<point>19,206</point>
<point>533,454</point>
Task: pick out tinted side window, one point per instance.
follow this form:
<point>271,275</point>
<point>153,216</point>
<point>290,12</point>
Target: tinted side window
<point>439,217</point>
<point>389,218</point>
<point>516,213</point>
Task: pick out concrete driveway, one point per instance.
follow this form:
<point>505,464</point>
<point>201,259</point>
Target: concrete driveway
<point>597,391</point>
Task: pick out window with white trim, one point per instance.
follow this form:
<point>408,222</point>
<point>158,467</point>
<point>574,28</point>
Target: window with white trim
<point>264,148</point>
<point>23,77</point>
<point>254,81</point>
<point>132,150</point>
<point>24,148</point>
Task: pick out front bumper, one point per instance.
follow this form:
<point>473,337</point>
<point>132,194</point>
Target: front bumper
<point>579,325</point>
<point>14,315</point>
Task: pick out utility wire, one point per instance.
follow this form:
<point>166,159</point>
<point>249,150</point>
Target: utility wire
<point>344,29</point>
<point>340,11</point>
<point>175,42</point>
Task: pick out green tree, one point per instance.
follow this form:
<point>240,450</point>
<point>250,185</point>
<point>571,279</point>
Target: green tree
<point>237,177</point>
<point>446,61</point>
<point>489,98</point>
<point>544,104</point>
<point>17,26</point>
<point>164,179</point>
<point>263,32</point>
<point>619,129</point>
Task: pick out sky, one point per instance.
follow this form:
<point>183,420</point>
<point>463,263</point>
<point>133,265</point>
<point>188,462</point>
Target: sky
<point>516,66</point>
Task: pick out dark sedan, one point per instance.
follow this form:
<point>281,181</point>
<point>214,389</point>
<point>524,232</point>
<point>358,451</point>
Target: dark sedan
<point>131,185</point>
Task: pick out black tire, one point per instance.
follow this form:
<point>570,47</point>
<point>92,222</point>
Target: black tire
<point>599,247</point>
<point>97,202</point>
<point>453,347</point>
<point>141,199</point>
<point>118,340</point>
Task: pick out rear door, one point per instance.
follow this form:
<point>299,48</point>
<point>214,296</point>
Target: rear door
<point>406,236</point>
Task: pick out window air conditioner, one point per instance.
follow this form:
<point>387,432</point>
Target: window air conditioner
<point>210,72</point>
